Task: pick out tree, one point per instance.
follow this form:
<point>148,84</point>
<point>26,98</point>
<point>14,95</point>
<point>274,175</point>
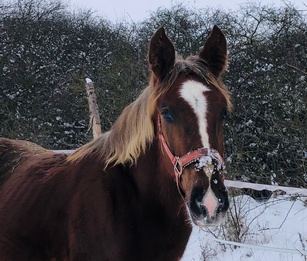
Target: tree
<point>46,53</point>
<point>267,79</point>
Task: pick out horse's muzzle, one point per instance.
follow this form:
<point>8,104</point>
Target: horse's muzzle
<point>208,207</point>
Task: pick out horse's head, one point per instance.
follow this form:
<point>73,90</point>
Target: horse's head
<point>191,103</point>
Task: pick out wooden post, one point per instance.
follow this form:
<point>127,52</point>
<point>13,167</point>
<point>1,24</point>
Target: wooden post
<point>93,106</point>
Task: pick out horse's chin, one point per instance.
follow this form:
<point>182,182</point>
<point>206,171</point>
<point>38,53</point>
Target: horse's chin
<point>201,221</point>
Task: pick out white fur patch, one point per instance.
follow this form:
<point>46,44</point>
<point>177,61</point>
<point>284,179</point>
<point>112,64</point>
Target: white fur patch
<point>211,203</point>
<point>193,93</point>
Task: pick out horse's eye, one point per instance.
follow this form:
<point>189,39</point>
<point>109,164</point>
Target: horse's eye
<point>166,115</point>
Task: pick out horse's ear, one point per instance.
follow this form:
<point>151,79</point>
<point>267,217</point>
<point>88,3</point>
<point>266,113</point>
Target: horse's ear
<point>214,52</point>
<point>161,55</point>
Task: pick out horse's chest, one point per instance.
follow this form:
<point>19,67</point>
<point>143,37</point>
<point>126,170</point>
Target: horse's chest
<point>150,236</point>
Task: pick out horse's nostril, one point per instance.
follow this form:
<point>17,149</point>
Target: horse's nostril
<point>199,199</point>
<point>196,201</point>
<point>223,204</point>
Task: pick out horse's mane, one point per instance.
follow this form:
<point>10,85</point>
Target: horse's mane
<point>133,131</point>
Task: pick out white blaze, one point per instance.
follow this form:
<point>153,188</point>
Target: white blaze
<point>193,93</point>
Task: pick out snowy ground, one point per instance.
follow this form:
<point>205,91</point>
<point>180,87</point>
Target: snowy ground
<point>275,230</point>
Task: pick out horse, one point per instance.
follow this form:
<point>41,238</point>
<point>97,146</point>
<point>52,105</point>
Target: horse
<point>134,192</point>
<point>14,153</point>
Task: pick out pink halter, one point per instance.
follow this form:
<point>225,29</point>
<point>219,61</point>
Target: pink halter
<point>180,163</point>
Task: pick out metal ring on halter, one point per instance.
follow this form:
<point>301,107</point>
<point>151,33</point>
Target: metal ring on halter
<point>178,166</point>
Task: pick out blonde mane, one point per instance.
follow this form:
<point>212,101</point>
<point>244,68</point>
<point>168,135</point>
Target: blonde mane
<point>133,131</point>
<point>129,135</point>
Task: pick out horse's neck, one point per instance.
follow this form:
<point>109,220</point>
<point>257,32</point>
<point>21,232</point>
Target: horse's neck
<point>154,174</point>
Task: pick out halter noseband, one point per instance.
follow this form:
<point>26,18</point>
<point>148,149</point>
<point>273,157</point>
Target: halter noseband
<point>180,163</point>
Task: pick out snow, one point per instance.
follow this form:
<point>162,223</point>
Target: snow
<point>275,230</point>
<point>203,161</point>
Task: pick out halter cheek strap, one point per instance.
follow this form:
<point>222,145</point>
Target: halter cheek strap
<point>180,163</point>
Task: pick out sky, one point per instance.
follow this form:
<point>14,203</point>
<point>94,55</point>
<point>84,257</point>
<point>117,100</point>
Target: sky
<point>138,10</point>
